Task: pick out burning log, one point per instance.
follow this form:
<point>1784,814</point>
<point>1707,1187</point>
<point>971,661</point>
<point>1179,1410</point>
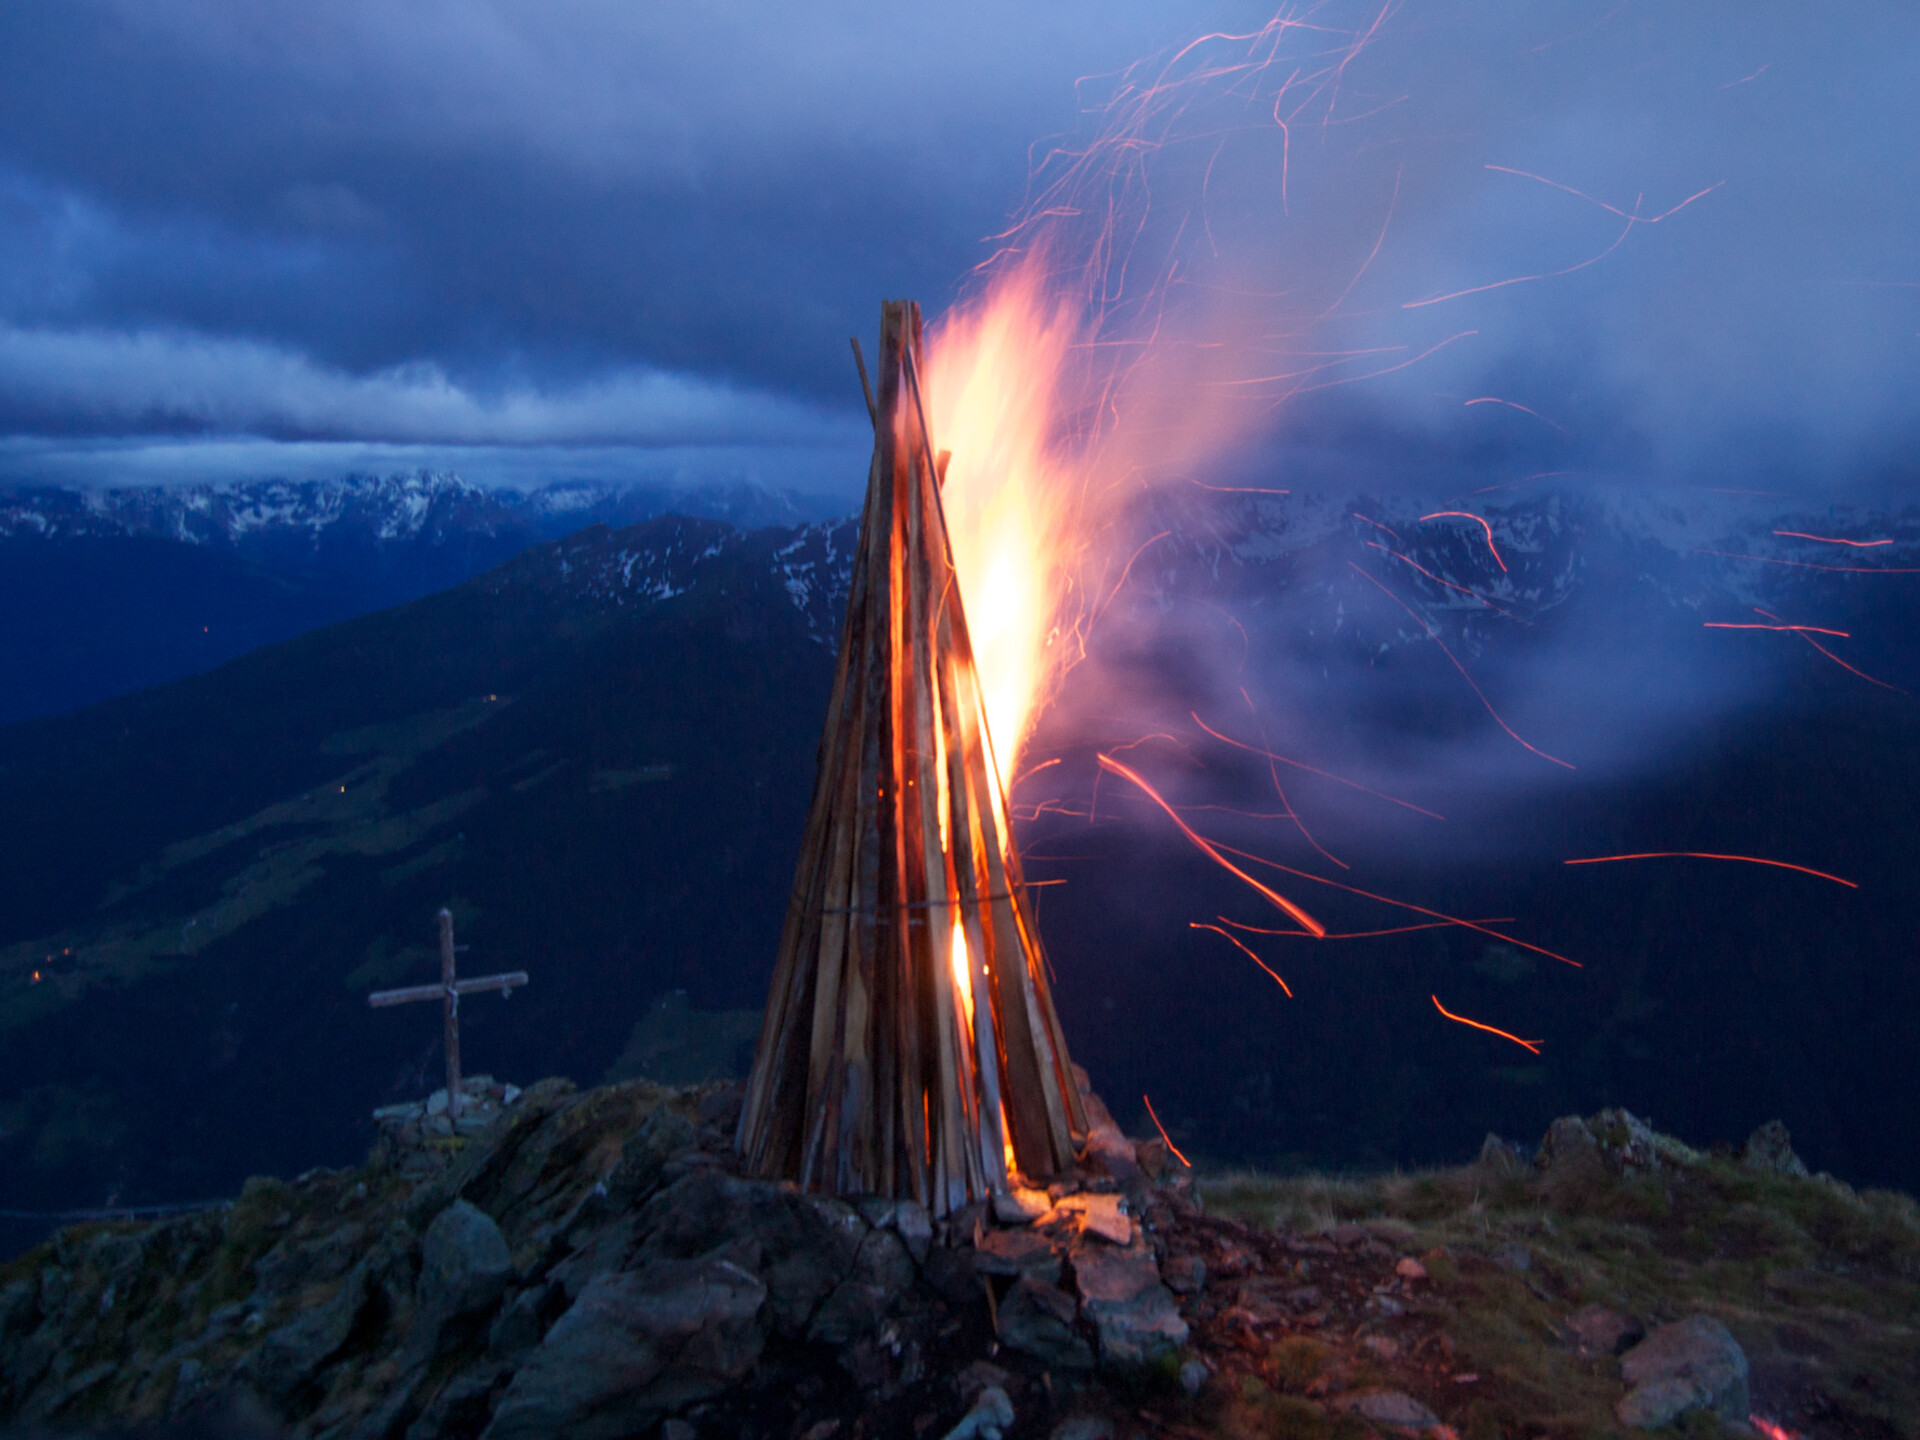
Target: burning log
<point>910,1047</point>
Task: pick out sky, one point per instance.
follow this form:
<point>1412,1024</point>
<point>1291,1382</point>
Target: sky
<point>578,236</point>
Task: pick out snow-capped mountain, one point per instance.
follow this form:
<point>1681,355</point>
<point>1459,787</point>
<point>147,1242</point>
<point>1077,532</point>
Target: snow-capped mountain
<point>112,590</point>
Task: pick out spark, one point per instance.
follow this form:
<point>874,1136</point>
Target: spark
<point>1708,855</point>
<point>1374,545</point>
<point>1310,769</point>
<point>1533,1045</point>
<point>1236,489</point>
<point>1833,539</point>
<point>1365,934</point>
<point>1199,925</point>
<point>1809,565</point>
<point>1127,569</point>
<point>1845,666</point>
<point>1377,525</point>
<point>1163,1134</point>
<point>1633,218</point>
<point>1402,905</point>
<point>1516,405</point>
<point>1107,762</point>
<point>1434,635</point>
<point>1795,629</point>
<point>1469,515</point>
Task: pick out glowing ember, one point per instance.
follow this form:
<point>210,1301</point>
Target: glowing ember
<point>1533,1045</point>
<point>1832,539</point>
<point>1469,515</point>
<point>1163,1133</point>
<point>1703,855</point>
<point>1207,848</point>
<point>1245,950</point>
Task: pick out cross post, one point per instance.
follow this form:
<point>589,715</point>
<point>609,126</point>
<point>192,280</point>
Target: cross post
<point>448,992</point>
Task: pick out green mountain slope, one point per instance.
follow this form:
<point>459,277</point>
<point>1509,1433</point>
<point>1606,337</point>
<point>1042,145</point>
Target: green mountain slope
<point>598,754</point>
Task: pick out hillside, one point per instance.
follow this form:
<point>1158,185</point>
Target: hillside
<point>598,754</point>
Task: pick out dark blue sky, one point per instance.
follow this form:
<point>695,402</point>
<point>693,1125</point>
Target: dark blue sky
<point>530,240</point>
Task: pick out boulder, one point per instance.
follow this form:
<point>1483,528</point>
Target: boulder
<point>882,1272</point>
<point>290,1356</point>
<point>989,1419</point>
<point>634,1348</point>
<point>1389,1407</point>
<point>1770,1148</point>
<point>1692,1364</point>
<point>1595,1331</point>
<point>1017,1253</point>
<point>1036,1319</point>
<point>464,1269</point>
<point>1120,1292</point>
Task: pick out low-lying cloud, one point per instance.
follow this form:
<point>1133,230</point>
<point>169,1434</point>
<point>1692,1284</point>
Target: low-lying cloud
<point>107,382</point>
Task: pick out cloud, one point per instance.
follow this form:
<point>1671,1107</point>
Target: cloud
<point>580,190</point>
<point>118,382</point>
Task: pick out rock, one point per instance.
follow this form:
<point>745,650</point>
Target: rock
<point>1020,1206</point>
<point>882,1271</point>
<point>1626,1142</point>
<point>1517,1258</point>
<point>664,1133</point>
<point>289,1357</point>
<point>1501,1157</point>
<point>1389,1407</point>
<point>1134,1314</point>
<point>915,1227</point>
<point>19,1308</point>
<point>635,1347</point>
<point>1410,1269</point>
<point>1193,1376</point>
<point>1016,1253</point>
<point>464,1269</point>
<point>1691,1364</point>
<point>1184,1274</point>
<point>989,1419</point>
<point>1570,1155</point>
<point>459,1407</point>
<point>521,1322</point>
<point>1102,1215</point>
<point>1595,1331</point>
<point>1036,1319</point>
<point>1770,1148</point>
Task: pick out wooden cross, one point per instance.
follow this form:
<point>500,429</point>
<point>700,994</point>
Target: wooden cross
<point>448,992</point>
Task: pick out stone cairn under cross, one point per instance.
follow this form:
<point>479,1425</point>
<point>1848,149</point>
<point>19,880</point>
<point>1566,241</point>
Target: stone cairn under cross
<point>448,992</point>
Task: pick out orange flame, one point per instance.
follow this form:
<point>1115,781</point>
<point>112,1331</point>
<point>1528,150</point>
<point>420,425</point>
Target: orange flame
<point>996,374</point>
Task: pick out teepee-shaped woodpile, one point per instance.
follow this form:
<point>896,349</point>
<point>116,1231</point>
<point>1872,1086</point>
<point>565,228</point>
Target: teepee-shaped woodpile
<point>910,1047</point>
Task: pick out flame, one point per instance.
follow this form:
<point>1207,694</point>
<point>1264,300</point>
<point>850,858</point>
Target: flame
<point>997,380</point>
<point>963,972</point>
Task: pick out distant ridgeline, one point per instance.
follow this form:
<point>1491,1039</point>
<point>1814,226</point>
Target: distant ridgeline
<point>599,754</point>
<point>109,591</point>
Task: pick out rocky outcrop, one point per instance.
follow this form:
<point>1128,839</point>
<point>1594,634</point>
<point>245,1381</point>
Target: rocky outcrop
<point>581,1265</point>
<point>1693,1364</point>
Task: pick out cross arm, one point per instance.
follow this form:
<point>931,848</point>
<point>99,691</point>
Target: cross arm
<point>478,984</point>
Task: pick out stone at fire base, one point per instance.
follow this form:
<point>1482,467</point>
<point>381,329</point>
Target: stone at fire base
<point>1692,1364</point>
<point>1120,1291</point>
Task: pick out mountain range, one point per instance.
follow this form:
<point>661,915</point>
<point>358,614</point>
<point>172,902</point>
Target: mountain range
<point>107,591</point>
<point>598,754</point>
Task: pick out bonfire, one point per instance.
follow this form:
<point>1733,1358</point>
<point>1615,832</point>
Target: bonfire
<point>910,1047</point>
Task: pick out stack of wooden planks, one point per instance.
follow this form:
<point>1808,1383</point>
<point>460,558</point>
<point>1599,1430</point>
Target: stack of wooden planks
<point>910,1047</point>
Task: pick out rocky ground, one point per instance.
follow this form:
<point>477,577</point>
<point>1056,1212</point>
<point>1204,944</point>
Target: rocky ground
<point>591,1265</point>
